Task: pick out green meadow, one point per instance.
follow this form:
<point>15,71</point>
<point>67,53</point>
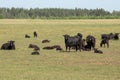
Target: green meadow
<point>19,64</point>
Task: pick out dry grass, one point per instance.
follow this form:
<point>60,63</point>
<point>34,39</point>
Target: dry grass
<point>55,65</point>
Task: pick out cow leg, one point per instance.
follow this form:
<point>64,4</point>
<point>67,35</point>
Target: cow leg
<point>90,47</point>
<point>69,48</point>
<point>100,44</point>
<point>104,45</point>
<point>80,47</point>
<point>76,47</point>
<point>66,48</point>
<point>107,45</point>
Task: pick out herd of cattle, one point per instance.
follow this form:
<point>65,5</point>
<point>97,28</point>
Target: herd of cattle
<point>89,43</point>
<point>75,42</point>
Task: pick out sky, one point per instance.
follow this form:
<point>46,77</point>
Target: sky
<point>108,5</point>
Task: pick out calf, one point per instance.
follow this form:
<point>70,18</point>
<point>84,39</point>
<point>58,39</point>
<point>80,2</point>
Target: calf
<point>84,46</point>
<point>35,34</point>
<point>97,51</point>
<point>87,48</point>
<point>45,41</point>
<point>48,47</point>
<point>103,42</point>
<point>27,36</point>
<point>57,47</point>
<point>34,46</point>
<point>35,53</point>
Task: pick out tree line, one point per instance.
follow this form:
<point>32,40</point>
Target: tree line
<point>57,13</point>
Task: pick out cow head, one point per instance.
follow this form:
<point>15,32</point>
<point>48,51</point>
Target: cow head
<point>11,42</point>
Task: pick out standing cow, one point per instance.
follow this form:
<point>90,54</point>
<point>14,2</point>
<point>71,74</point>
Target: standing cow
<point>35,34</point>
<point>104,41</point>
<point>91,41</point>
<point>74,41</point>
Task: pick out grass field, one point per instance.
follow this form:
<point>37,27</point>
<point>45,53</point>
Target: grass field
<point>54,65</point>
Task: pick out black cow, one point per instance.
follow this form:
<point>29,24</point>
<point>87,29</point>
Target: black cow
<point>104,41</point>
<point>35,34</point>
<point>85,47</point>
<point>98,51</point>
<point>74,41</point>
<point>57,47</point>
<point>35,53</point>
<point>8,46</point>
<point>34,46</point>
<point>91,41</point>
<point>48,47</point>
<point>45,41</point>
<point>116,36</point>
<point>107,36</point>
<point>27,36</point>
<point>80,35</point>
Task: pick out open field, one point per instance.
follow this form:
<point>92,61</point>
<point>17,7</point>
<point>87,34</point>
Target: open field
<point>54,65</point>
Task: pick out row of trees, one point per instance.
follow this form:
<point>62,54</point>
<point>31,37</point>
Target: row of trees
<point>56,13</point>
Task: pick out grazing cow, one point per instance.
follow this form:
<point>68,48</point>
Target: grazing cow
<point>104,41</point>
<point>8,46</point>
<point>35,53</point>
<point>90,40</point>
<point>34,46</point>
<point>35,34</point>
<point>98,51</point>
<point>27,36</point>
<point>48,47</point>
<point>45,41</point>
<point>74,41</point>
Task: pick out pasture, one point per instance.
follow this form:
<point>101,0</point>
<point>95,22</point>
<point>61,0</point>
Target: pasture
<point>19,64</point>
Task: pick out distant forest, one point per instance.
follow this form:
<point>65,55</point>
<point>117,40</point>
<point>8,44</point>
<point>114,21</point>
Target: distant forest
<point>57,13</point>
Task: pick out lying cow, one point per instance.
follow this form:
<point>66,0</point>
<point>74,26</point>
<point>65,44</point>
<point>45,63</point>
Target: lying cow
<point>27,36</point>
<point>35,53</point>
<point>34,46</point>
<point>8,46</point>
<point>45,41</point>
<point>48,47</point>
<point>98,51</point>
<point>57,47</point>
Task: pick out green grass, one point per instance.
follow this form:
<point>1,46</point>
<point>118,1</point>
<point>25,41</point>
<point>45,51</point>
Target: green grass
<point>52,64</point>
